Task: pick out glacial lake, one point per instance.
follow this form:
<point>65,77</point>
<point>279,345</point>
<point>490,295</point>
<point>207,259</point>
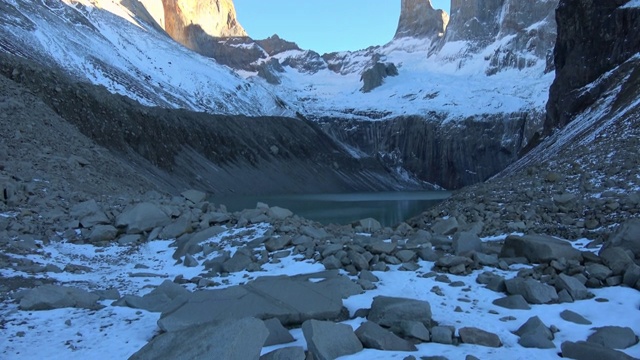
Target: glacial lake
<point>390,208</point>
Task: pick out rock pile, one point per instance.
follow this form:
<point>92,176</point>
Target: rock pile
<point>556,273</point>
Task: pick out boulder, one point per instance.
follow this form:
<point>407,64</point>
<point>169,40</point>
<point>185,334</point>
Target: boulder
<point>279,213</point>
<point>486,259</point>
<point>466,242</point>
<point>573,286</point>
<point>215,217</point>
<point>373,336</point>
<point>449,261</point>
<point>446,226</point>
<point>534,326</point>
<point>583,350</point>
<point>180,226</point>
<point>598,271</point>
<point>234,339</point>
<point>89,214</point>
<point>472,335</point>
<point>238,262</point>
<point>412,329</point>
<point>186,243</point>
<point>536,340</point>
<point>370,225</point>
<point>532,290</point>
<point>389,311</point>
<point>103,233</point>
<point>442,335</point>
<point>158,300</point>
<point>327,340</point>
<point>292,300</point>
<point>514,302</point>
<point>48,297</point>
<point>141,218</point>
<point>382,247</point>
<point>358,260</point>
<point>314,233</point>
<point>277,333</point>
<point>631,275</point>
<point>627,236</point>
<point>538,248</point>
<point>190,261</point>
<point>194,196</point>
<point>575,318</point>
<point>276,243</point>
<point>406,255</point>
<point>614,337</point>
<point>616,258</point>
<point>288,353</point>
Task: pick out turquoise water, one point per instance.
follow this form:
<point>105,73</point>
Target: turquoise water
<point>390,208</point>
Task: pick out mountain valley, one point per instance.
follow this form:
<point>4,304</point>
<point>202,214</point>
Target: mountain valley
<point>122,127</point>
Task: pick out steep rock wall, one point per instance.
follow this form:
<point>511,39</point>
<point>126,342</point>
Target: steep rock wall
<point>450,154</point>
<point>419,19</point>
<point>474,19</point>
<point>587,30</point>
<point>524,31</point>
<point>216,18</point>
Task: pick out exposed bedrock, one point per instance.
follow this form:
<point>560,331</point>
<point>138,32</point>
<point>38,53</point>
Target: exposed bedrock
<point>419,19</point>
<point>587,29</point>
<point>451,154</point>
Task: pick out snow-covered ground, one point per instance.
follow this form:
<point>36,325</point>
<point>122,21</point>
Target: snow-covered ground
<point>118,332</point>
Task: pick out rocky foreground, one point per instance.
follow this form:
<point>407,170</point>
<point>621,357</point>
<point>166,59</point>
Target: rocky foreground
<point>224,298</point>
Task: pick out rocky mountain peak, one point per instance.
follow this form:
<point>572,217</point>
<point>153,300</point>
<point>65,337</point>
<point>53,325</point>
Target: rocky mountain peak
<point>419,19</point>
<point>474,20</point>
<point>275,45</point>
<point>186,19</point>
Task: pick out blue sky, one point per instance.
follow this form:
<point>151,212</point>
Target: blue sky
<point>324,25</point>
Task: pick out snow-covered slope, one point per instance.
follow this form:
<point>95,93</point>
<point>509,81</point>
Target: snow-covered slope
<point>120,45</point>
<point>105,43</point>
<point>451,81</point>
<point>457,74</point>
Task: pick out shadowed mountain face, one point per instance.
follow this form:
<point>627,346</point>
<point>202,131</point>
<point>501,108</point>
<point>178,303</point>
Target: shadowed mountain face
<point>588,30</point>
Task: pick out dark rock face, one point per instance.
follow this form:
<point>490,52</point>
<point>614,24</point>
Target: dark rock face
<point>530,23</point>
<point>269,69</point>
<point>586,31</point>
<point>309,62</point>
<point>275,45</point>
<point>419,19</point>
<point>374,76</point>
<point>182,149</point>
<point>473,20</point>
<point>451,155</point>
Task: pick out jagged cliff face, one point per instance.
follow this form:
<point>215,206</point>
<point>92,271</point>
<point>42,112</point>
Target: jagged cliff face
<point>588,29</point>
<point>451,155</point>
<point>523,31</point>
<point>474,19</point>
<point>216,18</point>
<point>193,22</point>
<point>419,19</point>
